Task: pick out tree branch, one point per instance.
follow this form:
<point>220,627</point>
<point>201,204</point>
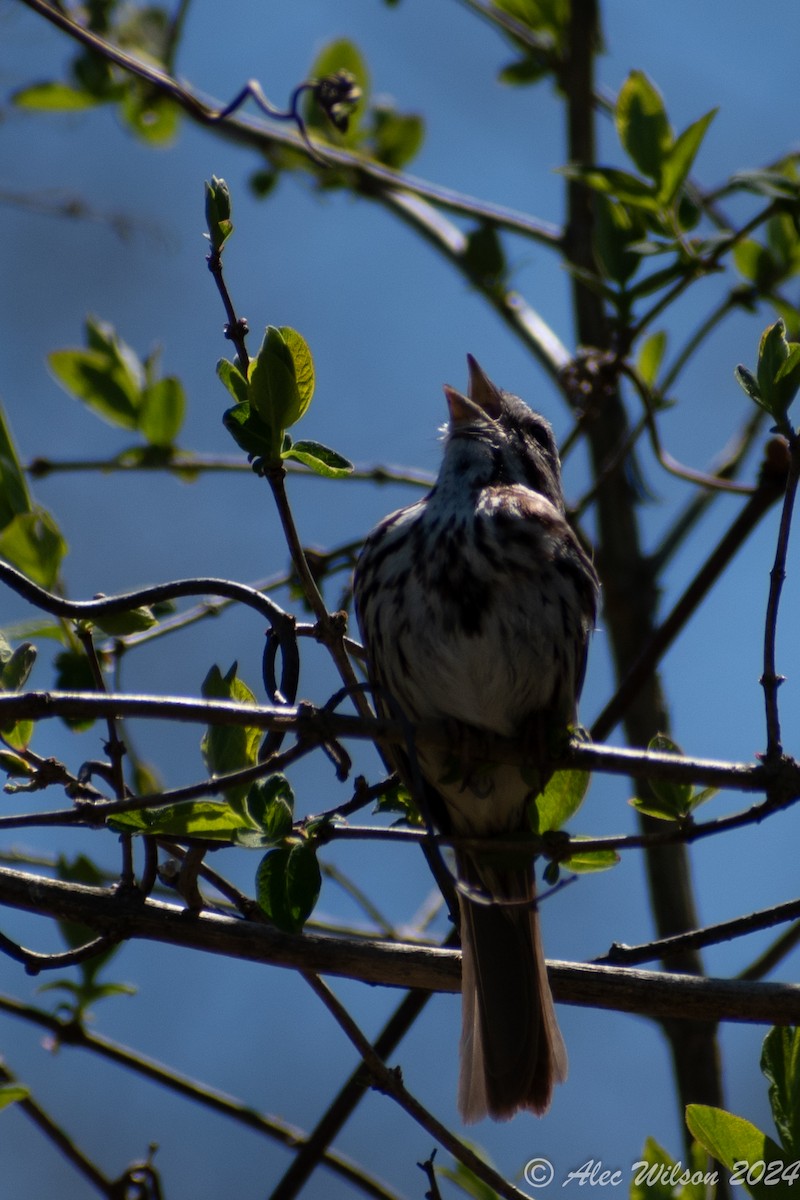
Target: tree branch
<point>70,1033</point>
<point>260,135</point>
<point>649,993</point>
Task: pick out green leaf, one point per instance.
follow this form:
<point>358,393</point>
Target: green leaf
<point>614,233</point>
<point>773,351</point>
<point>74,674</point>
<point>484,258</point>
<point>135,620</point>
<point>210,820</point>
<point>780,1063</point>
<point>251,433</point>
<point>756,264</point>
<point>320,459</point>
<point>778,370</point>
<point>783,240</point>
<point>82,870</point>
<point>523,72</point>
<point>218,212</point>
<point>273,391</point>
<point>657,1158</point>
<point>657,281</point>
<point>396,137</point>
<point>33,543</point>
<point>90,376</point>
<point>288,883</point>
<point>15,665</point>
<point>11,1093</point>
<point>466,1180</point>
<point>651,356</point>
<point>771,184</point>
<point>674,797</point>
<point>733,1140</point>
<point>749,383</point>
<point>584,861</point>
<point>563,795</point>
<point>233,379</point>
<point>14,495</point>
<point>270,806</point>
<point>14,766</point>
<point>229,747</point>
<point>642,124</point>
<point>108,376</point>
<point>52,97</point>
<point>678,162</point>
<point>398,799</point>
<point>656,1176</point>
<point>162,411</point>
<point>609,181</point>
<point>303,365</point>
<point>548,18</point>
<point>94,74</point>
<point>154,118</point>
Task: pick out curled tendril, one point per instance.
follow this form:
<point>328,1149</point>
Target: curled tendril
<point>336,94</point>
<point>281,637</point>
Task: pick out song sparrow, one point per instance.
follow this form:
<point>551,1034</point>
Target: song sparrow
<point>475,605</point>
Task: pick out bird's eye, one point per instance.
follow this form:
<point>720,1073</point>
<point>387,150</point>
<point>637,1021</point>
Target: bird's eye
<point>540,433</point>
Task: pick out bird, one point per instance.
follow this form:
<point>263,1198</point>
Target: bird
<point>476,605</point>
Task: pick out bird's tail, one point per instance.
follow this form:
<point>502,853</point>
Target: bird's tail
<point>512,1052</point>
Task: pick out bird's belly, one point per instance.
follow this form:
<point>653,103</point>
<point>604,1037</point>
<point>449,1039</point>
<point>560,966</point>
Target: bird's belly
<point>493,679</point>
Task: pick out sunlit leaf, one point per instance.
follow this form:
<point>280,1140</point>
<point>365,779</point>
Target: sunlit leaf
<point>320,459</point>
<point>270,806</point>
<point>33,543</point>
<point>12,1093</point>
<point>678,162</point>
<point>233,379</point>
<point>135,620</point>
<point>563,795</point>
<point>53,97</point>
<point>731,1140</point>
<point>209,820</point>
<point>162,411</point>
<point>642,124</point>
<point>651,356</point>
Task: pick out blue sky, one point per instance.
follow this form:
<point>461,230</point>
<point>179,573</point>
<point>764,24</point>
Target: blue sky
<point>388,324</point>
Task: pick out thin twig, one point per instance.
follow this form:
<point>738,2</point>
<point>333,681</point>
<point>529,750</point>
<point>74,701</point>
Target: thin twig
<point>281,623</point>
<point>62,1141</point>
<point>261,135</point>
<point>725,467</point>
<point>70,1033</point>
<point>34,962</point>
<point>670,464</point>
<point>390,1081</point>
<point>180,462</point>
<point>712,935</point>
<point>770,488</point>
<point>349,1096</point>
<point>702,266</point>
<point>770,680</point>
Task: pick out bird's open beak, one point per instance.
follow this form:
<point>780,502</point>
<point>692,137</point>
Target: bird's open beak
<point>483,399</point>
